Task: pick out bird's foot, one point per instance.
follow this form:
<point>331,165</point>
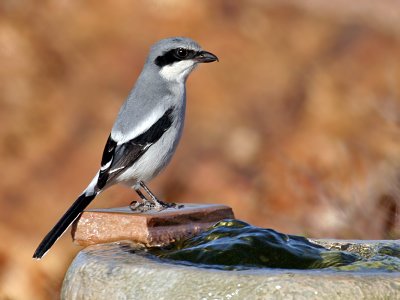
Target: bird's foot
<point>158,205</point>
<point>151,203</point>
<point>161,205</point>
<point>137,206</point>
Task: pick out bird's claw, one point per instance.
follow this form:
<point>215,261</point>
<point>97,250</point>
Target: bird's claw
<point>158,206</point>
<point>141,206</point>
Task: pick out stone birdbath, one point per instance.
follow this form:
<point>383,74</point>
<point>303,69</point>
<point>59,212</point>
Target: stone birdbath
<point>202,252</point>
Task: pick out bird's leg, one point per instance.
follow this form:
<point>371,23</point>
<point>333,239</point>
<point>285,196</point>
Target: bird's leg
<point>142,206</point>
<point>148,204</point>
<point>158,203</point>
<point>139,192</point>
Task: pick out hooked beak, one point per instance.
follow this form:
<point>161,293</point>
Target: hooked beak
<point>205,57</point>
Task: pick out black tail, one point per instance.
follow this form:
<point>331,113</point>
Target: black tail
<point>62,225</point>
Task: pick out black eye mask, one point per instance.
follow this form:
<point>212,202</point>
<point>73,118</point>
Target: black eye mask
<point>174,55</point>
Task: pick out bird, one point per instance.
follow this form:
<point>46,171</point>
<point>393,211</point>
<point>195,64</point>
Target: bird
<point>146,131</point>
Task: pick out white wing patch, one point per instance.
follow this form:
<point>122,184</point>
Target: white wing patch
<point>106,165</point>
<point>143,126</point>
<point>117,169</point>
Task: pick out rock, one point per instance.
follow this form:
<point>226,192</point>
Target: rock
<point>151,228</point>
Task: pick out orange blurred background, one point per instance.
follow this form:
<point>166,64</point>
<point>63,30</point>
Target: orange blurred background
<point>297,128</point>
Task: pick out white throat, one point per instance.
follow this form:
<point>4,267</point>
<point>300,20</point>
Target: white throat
<point>178,71</point>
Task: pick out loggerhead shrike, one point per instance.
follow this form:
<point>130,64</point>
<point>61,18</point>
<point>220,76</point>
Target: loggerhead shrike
<point>146,132</point>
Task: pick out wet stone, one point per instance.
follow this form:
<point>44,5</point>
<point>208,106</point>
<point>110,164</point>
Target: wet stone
<point>150,228</point>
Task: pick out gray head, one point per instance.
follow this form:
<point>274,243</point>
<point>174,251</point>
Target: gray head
<point>174,58</point>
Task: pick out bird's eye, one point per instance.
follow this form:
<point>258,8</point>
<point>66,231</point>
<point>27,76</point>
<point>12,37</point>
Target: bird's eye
<point>181,52</point>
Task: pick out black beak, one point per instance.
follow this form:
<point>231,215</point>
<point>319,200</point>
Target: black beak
<point>205,57</point>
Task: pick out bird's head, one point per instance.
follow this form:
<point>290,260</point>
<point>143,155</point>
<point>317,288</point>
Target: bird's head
<point>174,58</point>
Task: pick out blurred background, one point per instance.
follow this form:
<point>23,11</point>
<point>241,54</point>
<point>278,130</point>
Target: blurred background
<point>297,127</point>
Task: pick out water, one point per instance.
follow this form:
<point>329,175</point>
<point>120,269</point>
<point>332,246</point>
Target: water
<point>236,245</point>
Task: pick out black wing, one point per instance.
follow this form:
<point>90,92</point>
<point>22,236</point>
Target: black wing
<point>116,158</point>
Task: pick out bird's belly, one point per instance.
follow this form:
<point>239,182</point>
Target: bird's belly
<point>153,160</point>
